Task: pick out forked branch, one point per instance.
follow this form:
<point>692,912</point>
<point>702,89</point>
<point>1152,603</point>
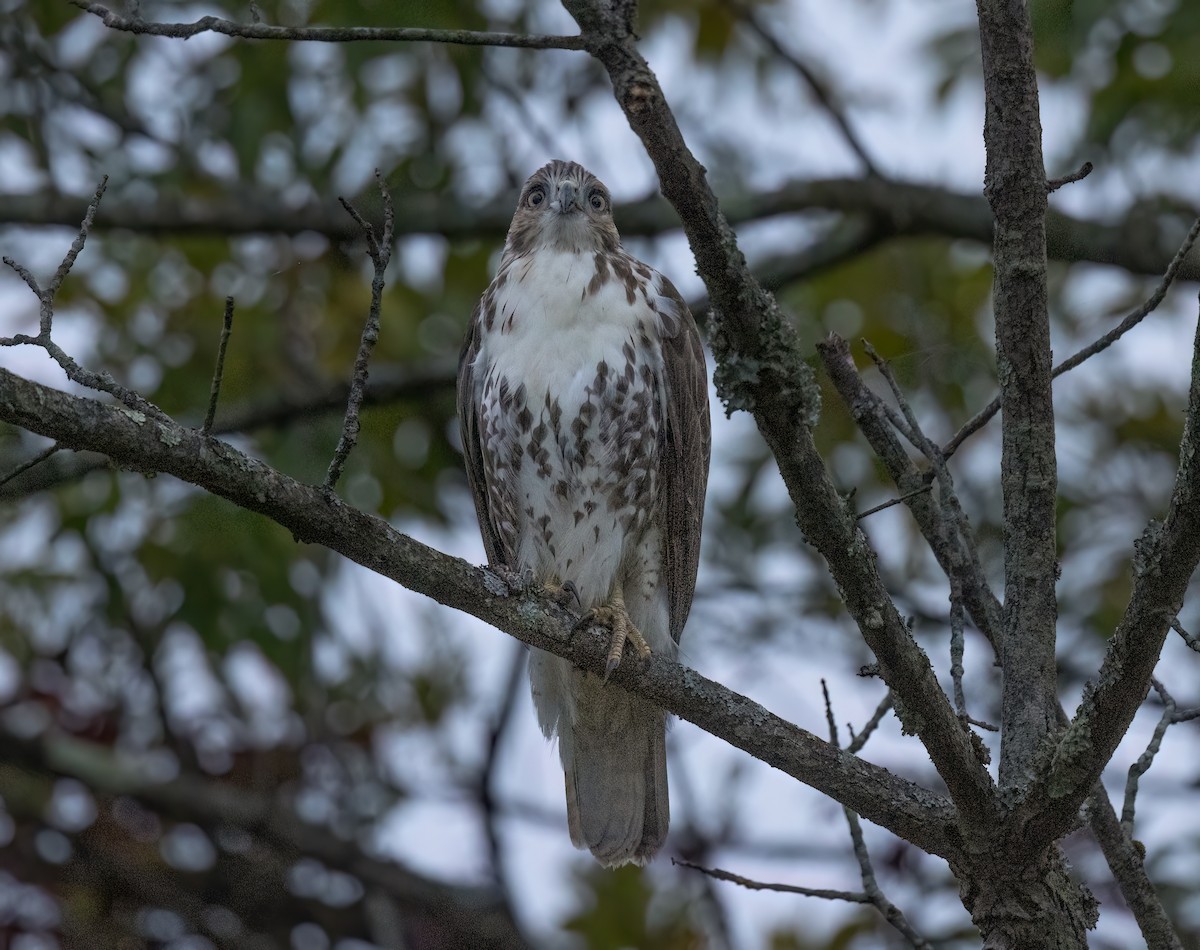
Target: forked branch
<point>380,250</point>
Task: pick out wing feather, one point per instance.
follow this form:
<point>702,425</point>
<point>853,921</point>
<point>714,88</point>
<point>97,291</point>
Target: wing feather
<point>687,442</point>
<point>470,377</point>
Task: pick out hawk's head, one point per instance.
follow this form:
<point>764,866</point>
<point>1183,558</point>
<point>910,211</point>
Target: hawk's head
<point>563,207</point>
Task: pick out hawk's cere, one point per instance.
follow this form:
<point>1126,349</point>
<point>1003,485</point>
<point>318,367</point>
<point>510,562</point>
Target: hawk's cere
<point>583,402</point>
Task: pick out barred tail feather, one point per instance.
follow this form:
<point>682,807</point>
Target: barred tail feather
<point>616,785</point>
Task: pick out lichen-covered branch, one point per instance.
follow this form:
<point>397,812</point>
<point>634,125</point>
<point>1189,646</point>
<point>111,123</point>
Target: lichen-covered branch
<point>949,539</point>
<point>140,443</point>
<point>1165,558</point>
<point>760,370</point>
<point>1127,864</point>
<point>323,34</point>
<point>1015,186</point>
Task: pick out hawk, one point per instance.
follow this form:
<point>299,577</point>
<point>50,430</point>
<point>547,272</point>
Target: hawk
<point>583,407</point>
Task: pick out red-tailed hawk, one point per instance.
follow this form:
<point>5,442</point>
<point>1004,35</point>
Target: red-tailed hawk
<point>583,404</point>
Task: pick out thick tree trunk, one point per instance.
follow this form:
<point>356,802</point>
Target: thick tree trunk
<point>1038,906</point>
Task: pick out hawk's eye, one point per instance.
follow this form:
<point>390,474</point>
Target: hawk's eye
<point>537,195</point>
<point>597,201</point>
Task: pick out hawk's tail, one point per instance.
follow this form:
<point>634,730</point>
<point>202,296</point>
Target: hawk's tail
<point>616,778</point>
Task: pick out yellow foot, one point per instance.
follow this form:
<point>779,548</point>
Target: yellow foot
<point>614,616</point>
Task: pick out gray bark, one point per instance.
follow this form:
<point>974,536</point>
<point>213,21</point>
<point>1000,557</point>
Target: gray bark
<point>1002,844</point>
<point>137,442</point>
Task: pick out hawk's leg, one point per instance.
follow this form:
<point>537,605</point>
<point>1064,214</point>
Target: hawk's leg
<point>614,616</point>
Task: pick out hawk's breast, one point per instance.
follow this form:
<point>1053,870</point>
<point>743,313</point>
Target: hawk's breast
<point>570,371</point>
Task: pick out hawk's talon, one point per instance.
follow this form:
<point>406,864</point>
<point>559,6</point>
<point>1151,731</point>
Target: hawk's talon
<point>570,588</point>
<point>562,594</point>
<point>614,616</point>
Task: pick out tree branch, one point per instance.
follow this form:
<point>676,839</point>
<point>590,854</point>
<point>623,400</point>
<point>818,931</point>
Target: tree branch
<point>944,538</point>
<point>138,442</point>
<point>961,553</point>
<point>380,250</point>
<point>1131,320</point>
<point>760,369</point>
<point>1078,175</point>
<point>387,385</point>
<point>214,390</point>
<point>1165,558</point>
<point>1015,186</point>
<point>898,209</point>
<point>853,897</point>
<point>1126,861</point>
<point>891,913</point>
<point>1192,641</point>
<point>1172,714</point>
<point>21,467</point>
<point>323,34</point>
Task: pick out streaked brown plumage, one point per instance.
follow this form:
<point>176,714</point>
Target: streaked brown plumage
<point>583,405</point>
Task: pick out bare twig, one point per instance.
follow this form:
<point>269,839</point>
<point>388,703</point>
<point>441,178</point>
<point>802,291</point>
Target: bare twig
<point>894,501</point>
<point>815,84</point>
<point>1131,320</point>
<point>947,538</point>
<point>891,913</point>
<point>1171,715</point>
<point>1190,639</point>
<point>1083,171</point>
<point>914,813</point>
<point>487,776</point>
<point>853,897</point>
<point>324,34</point>
<point>102,381</point>
<point>1126,860</point>
<point>219,371</point>
<point>829,720</point>
<point>29,463</point>
<point>910,429</point>
<point>952,514</point>
<point>860,740</point>
<point>380,250</point>
<point>1165,558</point>
<point>957,645</point>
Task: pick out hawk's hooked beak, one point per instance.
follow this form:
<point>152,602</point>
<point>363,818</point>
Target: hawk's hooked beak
<point>564,202</point>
